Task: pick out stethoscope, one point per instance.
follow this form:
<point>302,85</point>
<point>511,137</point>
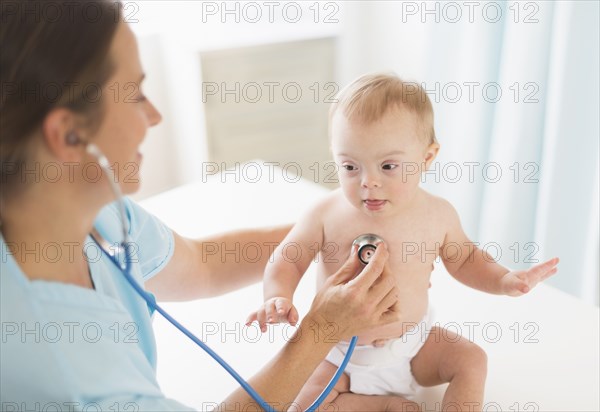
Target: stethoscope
<point>366,247</point>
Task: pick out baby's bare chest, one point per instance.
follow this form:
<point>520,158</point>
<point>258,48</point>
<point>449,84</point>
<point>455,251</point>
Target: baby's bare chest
<point>413,241</point>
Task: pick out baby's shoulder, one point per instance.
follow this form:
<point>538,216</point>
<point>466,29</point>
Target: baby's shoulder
<point>333,201</point>
<point>324,205</point>
<point>437,206</point>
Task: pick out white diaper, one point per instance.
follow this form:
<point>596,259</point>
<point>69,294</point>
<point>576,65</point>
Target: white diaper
<point>384,370</point>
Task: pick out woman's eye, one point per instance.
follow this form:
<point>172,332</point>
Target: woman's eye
<point>389,166</point>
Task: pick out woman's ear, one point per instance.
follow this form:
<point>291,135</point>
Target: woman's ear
<point>431,153</point>
<point>55,128</point>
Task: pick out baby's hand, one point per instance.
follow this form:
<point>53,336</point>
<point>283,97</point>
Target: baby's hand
<point>520,282</point>
<point>274,310</point>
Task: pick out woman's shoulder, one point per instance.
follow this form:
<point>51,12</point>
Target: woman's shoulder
<point>110,220</point>
<point>151,242</point>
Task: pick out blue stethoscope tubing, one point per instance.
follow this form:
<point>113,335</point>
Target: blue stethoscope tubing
<point>126,270</point>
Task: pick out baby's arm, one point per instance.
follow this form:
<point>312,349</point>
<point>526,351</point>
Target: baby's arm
<point>477,269</point>
<point>286,267</point>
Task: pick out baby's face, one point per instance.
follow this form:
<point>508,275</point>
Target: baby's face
<point>380,163</point>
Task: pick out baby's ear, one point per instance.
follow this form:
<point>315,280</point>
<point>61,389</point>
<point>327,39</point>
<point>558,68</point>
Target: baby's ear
<point>431,153</point>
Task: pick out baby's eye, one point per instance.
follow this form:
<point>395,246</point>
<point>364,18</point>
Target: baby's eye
<point>389,166</point>
<point>349,168</point>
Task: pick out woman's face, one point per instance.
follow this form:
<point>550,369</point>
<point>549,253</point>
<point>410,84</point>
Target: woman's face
<point>128,114</point>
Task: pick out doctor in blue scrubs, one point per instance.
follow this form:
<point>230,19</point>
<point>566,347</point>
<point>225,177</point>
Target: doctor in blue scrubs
<point>75,336</point>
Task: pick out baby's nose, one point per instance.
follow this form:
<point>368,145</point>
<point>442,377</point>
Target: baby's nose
<point>370,181</point>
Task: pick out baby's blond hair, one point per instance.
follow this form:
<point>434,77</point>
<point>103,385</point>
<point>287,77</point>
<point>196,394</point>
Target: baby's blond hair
<point>370,96</point>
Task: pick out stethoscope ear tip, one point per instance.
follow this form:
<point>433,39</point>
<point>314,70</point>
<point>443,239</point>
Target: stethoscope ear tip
<point>92,149</point>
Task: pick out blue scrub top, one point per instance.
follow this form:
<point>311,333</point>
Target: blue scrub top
<point>65,347</point>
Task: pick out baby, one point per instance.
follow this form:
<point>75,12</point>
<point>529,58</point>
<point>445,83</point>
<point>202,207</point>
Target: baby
<point>382,139</point>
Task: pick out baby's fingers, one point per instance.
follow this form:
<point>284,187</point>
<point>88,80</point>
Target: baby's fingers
<point>258,316</point>
<point>251,318</point>
<point>283,307</point>
<point>271,311</point>
<point>541,270</point>
<point>550,273</point>
<point>262,320</point>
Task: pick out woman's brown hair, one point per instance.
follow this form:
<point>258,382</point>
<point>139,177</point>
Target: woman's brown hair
<point>52,54</point>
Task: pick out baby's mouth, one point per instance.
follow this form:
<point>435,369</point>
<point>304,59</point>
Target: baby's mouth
<point>374,204</point>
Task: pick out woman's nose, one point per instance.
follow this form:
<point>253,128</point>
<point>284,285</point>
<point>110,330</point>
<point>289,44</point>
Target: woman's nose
<point>154,116</point>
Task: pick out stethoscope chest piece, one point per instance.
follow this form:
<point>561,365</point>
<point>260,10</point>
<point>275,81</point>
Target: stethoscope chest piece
<point>367,244</point>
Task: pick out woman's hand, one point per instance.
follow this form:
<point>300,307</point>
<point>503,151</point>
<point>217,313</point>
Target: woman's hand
<point>348,303</point>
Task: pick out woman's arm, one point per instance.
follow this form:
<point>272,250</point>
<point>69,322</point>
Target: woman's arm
<point>215,265</point>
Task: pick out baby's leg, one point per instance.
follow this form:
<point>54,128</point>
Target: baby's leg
<point>448,357</point>
<point>340,399</point>
<point>372,403</point>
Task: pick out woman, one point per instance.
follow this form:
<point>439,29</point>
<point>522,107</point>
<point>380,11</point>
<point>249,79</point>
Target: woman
<point>74,334</point>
